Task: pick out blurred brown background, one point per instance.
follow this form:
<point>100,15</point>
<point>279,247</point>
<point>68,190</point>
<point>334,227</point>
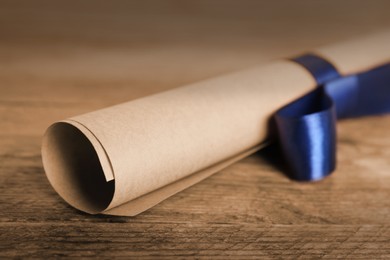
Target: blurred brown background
<point>63,58</point>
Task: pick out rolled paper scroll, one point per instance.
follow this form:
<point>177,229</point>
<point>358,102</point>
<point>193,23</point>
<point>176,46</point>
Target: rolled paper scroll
<point>124,159</point>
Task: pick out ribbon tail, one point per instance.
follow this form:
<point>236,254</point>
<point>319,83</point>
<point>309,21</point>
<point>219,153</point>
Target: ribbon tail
<point>307,135</point>
<point>362,94</point>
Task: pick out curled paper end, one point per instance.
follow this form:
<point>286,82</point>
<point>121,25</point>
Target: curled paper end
<point>75,168</point>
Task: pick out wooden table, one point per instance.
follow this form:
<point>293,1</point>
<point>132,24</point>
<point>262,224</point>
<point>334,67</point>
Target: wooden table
<point>65,58</point>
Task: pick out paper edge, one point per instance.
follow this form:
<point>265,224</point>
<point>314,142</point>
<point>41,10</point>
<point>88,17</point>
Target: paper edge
<point>104,159</point>
<point>147,201</point>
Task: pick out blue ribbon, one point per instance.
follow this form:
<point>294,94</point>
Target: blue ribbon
<point>307,127</point>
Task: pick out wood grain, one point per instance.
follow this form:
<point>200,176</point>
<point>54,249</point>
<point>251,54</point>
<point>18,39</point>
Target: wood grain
<point>59,59</point>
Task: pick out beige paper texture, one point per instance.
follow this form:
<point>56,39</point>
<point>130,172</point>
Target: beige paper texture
<point>126,158</point>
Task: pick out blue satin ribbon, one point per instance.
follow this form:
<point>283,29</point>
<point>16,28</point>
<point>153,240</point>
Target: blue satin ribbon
<point>307,127</point>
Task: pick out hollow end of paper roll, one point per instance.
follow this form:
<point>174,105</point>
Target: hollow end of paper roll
<point>73,168</point>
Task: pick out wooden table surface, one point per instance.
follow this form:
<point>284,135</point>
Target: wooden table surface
<point>59,59</point>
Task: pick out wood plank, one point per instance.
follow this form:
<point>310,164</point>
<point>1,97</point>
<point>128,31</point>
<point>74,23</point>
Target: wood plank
<point>66,58</point>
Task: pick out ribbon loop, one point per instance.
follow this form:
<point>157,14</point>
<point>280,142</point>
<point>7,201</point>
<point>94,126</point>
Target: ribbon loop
<point>307,135</point>
<point>307,127</point>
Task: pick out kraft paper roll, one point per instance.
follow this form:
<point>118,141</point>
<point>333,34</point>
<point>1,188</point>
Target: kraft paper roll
<point>124,159</point>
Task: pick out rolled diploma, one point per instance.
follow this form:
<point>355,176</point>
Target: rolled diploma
<point>124,159</point>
